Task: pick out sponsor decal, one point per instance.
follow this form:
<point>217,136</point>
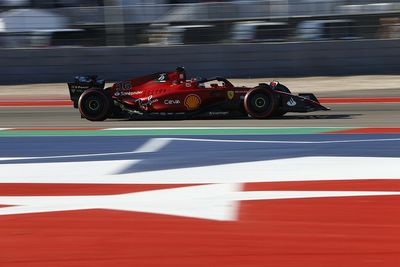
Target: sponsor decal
<point>240,92</point>
<point>172,101</point>
<point>145,103</point>
<point>77,87</point>
<point>77,91</point>
<point>230,94</point>
<point>192,101</point>
<point>291,102</point>
<point>162,78</point>
<point>122,93</point>
<point>218,113</point>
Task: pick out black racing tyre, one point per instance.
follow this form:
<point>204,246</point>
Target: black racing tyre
<point>94,105</point>
<point>260,102</point>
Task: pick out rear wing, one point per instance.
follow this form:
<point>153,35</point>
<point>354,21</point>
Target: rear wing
<point>81,84</point>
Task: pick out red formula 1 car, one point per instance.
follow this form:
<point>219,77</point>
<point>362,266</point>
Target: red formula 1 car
<point>171,95</point>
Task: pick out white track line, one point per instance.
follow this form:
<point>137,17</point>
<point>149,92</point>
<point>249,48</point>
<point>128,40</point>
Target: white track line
<point>279,170</point>
<point>152,145</point>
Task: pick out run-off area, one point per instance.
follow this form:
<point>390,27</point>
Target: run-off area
<point>289,200</point>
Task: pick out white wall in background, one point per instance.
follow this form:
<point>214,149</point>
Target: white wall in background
<point>27,20</point>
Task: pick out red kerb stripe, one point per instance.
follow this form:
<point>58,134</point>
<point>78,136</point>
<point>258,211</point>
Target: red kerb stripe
<point>361,100</point>
<point>35,103</point>
<point>367,131</point>
<point>58,129</point>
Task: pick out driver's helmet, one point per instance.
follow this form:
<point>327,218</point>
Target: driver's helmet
<point>181,73</point>
<point>274,84</point>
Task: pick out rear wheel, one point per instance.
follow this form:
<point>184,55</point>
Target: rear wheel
<point>94,105</point>
<point>260,102</point>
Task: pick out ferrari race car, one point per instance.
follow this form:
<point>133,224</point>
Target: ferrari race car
<point>171,95</point>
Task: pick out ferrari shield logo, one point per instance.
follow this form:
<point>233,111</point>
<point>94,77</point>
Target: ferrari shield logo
<point>230,94</point>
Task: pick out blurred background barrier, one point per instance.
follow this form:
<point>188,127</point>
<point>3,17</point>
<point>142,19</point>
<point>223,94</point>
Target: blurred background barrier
<point>50,40</point>
<point>231,60</point>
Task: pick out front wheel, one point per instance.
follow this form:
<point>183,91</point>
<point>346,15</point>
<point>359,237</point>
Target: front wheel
<point>94,105</point>
<point>260,102</point>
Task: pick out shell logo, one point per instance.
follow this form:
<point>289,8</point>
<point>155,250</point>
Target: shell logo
<point>192,102</point>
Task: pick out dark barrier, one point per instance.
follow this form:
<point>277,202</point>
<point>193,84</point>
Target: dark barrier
<point>232,60</point>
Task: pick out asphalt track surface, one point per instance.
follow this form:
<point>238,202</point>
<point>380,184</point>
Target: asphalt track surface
<point>352,114</point>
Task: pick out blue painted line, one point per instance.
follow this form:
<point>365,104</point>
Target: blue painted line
<point>181,154</point>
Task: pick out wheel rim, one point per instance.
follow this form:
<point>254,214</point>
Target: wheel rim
<point>260,103</point>
<point>93,105</point>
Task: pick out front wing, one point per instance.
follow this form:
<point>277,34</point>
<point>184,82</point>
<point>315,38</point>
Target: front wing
<point>305,102</point>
